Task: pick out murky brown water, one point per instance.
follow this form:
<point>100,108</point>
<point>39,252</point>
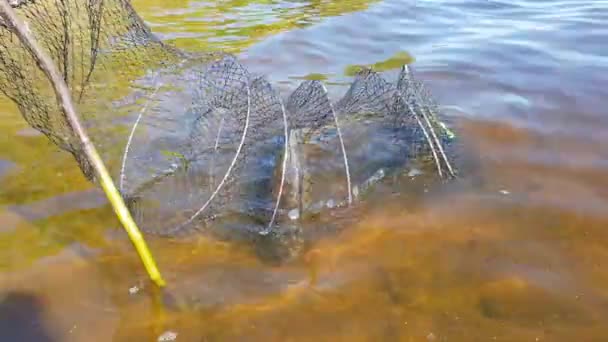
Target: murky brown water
<point>515,251</point>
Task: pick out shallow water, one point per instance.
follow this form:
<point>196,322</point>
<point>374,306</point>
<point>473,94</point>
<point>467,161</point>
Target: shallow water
<point>515,251</point>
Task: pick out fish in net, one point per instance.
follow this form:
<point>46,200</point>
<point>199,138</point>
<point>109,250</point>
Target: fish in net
<point>196,142</point>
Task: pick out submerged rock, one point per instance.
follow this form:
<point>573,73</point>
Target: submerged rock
<point>516,299</point>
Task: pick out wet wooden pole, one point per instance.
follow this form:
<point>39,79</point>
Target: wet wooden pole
<point>64,99</point>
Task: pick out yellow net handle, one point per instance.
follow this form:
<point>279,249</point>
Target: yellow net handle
<point>65,101</point>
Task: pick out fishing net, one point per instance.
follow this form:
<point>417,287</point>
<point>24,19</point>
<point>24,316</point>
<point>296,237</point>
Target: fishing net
<point>194,138</point>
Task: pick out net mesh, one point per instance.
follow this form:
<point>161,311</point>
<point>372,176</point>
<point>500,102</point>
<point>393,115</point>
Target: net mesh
<point>236,148</point>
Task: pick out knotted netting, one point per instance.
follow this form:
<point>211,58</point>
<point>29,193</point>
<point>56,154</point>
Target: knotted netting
<point>194,138</point>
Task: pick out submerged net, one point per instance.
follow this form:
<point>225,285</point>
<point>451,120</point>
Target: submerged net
<point>192,138</point>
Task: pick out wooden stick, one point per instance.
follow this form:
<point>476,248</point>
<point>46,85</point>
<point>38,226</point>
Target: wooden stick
<point>65,101</point>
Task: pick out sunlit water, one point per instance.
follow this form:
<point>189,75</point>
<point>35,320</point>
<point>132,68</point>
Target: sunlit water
<point>515,251</point>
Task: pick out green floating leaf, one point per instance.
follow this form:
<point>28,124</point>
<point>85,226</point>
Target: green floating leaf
<point>394,62</point>
<point>352,70</point>
<point>311,77</point>
<point>315,77</point>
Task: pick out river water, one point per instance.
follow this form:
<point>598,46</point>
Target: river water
<point>515,252</point>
